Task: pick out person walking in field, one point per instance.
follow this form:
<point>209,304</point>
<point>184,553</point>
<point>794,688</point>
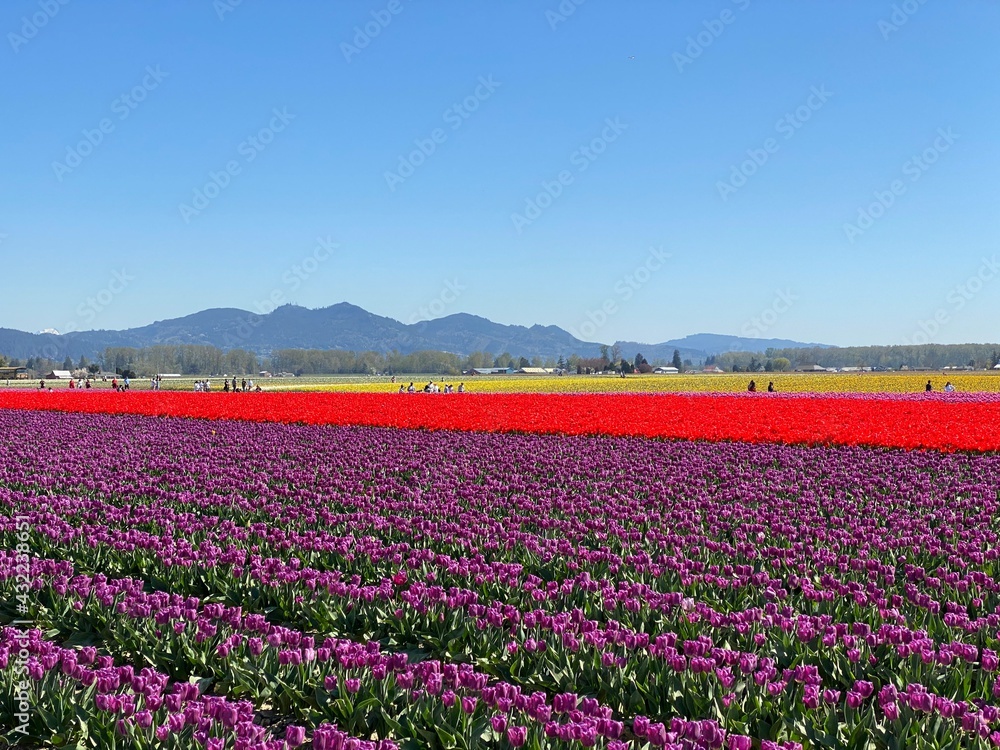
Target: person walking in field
<point>752,388</point>
<point>928,388</point>
<point>770,387</point>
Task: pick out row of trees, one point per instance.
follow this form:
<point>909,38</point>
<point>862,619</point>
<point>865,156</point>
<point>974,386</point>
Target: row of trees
<point>931,356</point>
<point>183,360</point>
<point>751,362</point>
<point>209,360</point>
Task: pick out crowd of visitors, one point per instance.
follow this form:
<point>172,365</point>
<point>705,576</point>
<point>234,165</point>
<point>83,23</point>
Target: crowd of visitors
<point>432,387</point>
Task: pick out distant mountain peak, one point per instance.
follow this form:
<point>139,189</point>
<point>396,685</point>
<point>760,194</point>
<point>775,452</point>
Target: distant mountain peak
<point>346,326</point>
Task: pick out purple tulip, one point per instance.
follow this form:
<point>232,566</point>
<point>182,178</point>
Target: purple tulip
<point>295,735</point>
<point>517,735</point>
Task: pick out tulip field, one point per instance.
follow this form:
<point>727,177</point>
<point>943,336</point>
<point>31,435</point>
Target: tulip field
<point>697,382</point>
<point>265,571</point>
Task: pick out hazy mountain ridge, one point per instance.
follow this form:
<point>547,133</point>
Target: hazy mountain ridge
<point>348,327</point>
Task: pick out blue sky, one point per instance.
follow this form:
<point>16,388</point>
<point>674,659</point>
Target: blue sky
<point>641,170</point>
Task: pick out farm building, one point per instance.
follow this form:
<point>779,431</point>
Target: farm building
<point>59,375</point>
<point>665,370</point>
<point>13,373</point>
<point>489,371</point>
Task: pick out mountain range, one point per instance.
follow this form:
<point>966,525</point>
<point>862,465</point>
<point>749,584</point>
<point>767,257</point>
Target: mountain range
<point>348,327</point>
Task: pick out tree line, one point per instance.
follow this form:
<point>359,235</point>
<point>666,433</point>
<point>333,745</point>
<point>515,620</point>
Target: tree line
<point>922,356</point>
<point>201,360</point>
<point>194,360</point>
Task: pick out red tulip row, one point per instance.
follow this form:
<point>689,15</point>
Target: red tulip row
<point>944,424</point>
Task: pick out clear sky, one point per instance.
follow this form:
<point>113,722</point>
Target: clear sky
<point>639,169</point>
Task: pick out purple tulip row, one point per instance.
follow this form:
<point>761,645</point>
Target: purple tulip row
<point>850,549</point>
<point>253,635</point>
<point>432,678</point>
<point>831,588</point>
<point>957,619</point>
<point>420,596</point>
<point>223,480</point>
<point>626,594</point>
<point>149,704</point>
<point>595,636</point>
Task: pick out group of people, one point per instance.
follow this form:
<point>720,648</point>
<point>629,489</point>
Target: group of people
<point>433,387</point>
<point>81,384</point>
<point>948,387</point>
<point>234,386</point>
<point>242,387</point>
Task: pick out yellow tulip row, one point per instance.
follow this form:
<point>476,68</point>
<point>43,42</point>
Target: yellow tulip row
<point>868,382</point>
